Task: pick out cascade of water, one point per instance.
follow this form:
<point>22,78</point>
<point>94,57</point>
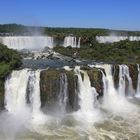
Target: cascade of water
<point>15,91</point>
<point>79,41</point>
<point>134,38</point>
<point>63,95</point>
<point>87,94</point>
<point>28,42</point>
<point>138,84</point>
<point>34,89</point>
<point>123,76</point>
<point>130,91</point>
<point>104,83</point>
<point>111,39</point>
<point>71,41</point>
<point>111,91</point>
<point>110,94</point>
<point>121,88</point>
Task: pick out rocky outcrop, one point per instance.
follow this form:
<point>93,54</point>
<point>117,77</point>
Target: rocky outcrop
<point>115,71</point>
<point>72,91</point>
<point>133,69</point>
<point>1,94</point>
<point>95,76</point>
<point>50,88</point>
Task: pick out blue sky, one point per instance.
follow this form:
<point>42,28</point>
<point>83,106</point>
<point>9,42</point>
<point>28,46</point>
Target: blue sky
<point>113,14</point>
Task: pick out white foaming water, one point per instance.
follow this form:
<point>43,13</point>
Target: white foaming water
<point>121,88</point>
<point>123,76</point>
<point>111,39</point>
<point>108,82</point>
<point>104,82</point>
<point>15,91</point>
<point>134,38</point>
<point>130,91</point>
<point>88,98</point>
<point>138,83</point>
<point>27,42</point>
<point>34,87</point>
<point>87,94</point>
<point>72,41</point>
<point>63,95</point>
<point>109,91</point>
<point>113,99</point>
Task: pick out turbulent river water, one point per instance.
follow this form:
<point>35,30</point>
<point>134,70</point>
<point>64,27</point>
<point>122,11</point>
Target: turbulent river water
<point>120,124</point>
<point>116,118</point>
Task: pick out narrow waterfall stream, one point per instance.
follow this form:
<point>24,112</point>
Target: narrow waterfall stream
<point>138,84</point>
<point>63,95</point>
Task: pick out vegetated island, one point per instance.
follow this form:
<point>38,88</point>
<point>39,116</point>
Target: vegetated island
<point>123,52</point>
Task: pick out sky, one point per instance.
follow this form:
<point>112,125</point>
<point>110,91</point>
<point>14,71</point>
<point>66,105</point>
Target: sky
<point>112,14</point>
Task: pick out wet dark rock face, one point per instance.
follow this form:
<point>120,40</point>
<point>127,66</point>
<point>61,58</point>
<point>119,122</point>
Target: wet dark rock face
<point>1,94</point>
<point>72,91</point>
<point>115,71</point>
<point>50,88</point>
<point>95,76</point>
<point>134,74</point>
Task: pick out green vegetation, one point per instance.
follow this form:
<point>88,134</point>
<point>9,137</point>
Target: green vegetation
<point>9,60</point>
<point>120,52</point>
<point>57,32</point>
<point>15,29</point>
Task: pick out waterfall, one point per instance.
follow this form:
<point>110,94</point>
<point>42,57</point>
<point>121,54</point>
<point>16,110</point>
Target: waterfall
<point>104,83</point>
<point>63,95</point>
<point>34,88</point>
<point>25,84</point>
<point>87,94</point>
<point>27,42</point>
<point>121,88</point>
<point>72,41</point>
<point>123,76</point>
<point>79,41</point>
<point>111,93</point>
<point>134,38</point>
<point>16,87</point>
<point>138,84</point>
<point>15,91</point>
<point>111,39</point>
<point>130,90</point>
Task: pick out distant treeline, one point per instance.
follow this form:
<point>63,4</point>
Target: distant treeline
<point>123,52</point>
<point>15,29</point>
